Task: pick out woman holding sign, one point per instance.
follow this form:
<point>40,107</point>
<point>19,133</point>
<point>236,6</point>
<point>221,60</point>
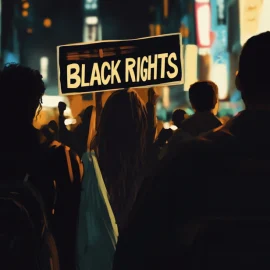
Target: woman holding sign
<point>114,169</point>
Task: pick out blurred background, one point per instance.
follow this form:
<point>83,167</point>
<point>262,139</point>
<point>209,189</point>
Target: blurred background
<point>213,32</point>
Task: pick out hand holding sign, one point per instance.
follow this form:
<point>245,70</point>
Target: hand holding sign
<point>111,65</point>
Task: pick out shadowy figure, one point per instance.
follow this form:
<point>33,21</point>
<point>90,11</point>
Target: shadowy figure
<point>81,132</point>
<point>53,168</point>
<point>78,138</point>
<point>50,131</point>
<point>65,136</point>
<point>207,205</point>
<point>203,97</point>
<point>163,137</point>
<point>151,115</point>
<point>24,223</point>
<point>54,128</point>
<point>178,117</point>
<point>120,145</point>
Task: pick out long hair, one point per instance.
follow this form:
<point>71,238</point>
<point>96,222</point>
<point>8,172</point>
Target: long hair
<point>120,144</point>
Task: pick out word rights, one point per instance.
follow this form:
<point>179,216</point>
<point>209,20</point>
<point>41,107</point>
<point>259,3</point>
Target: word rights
<point>111,65</point>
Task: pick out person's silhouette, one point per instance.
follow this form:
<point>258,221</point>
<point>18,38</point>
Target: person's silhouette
<point>203,96</point>
<point>223,176</point>
<point>178,117</point>
<point>81,132</point>
<point>22,152</point>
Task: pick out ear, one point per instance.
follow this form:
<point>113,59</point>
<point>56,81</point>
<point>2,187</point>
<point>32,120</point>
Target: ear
<point>238,82</point>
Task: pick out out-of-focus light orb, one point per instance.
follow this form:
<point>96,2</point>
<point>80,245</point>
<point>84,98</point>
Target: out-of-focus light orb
<point>47,22</point>
<point>166,125</point>
<point>25,5</point>
<point>29,30</point>
<point>184,31</point>
<point>24,13</point>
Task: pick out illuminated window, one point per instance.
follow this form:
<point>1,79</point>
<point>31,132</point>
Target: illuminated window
<point>93,20</point>
<point>219,75</point>
<point>44,62</point>
<point>158,29</point>
<point>204,25</point>
<point>166,97</point>
<point>191,61</point>
<point>90,4</point>
<point>165,8</point>
<point>90,33</point>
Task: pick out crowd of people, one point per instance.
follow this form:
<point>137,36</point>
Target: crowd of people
<point>120,195</point>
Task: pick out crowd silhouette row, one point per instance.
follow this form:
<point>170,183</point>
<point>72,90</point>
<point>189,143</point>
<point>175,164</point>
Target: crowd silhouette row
<point>120,195</point>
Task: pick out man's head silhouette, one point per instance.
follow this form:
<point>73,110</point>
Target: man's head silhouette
<point>203,96</point>
<point>253,78</point>
<point>22,89</point>
<point>178,117</point>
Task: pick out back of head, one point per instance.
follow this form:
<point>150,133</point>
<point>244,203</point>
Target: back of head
<point>22,91</point>
<point>203,95</point>
<point>120,144</point>
<point>253,74</point>
<point>178,117</point>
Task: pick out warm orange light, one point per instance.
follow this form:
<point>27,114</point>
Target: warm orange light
<point>236,73</point>
<point>29,30</point>
<point>24,13</point>
<point>47,22</point>
<point>158,29</point>
<point>166,8</point>
<point>26,5</point>
<point>184,31</point>
<point>152,29</point>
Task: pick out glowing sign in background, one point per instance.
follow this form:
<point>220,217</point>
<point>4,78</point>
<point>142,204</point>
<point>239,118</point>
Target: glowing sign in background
<point>254,18</point>
<point>203,23</point>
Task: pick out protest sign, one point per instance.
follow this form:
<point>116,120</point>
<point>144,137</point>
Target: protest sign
<point>111,65</point>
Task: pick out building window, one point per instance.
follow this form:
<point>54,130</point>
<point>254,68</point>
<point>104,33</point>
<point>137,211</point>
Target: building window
<point>44,62</point>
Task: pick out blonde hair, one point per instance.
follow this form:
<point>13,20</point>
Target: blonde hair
<point>120,145</point>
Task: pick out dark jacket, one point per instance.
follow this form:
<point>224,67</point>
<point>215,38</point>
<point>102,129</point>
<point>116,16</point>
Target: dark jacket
<point>223,174</point>
<point>200,122</point>
<point>56,172</point>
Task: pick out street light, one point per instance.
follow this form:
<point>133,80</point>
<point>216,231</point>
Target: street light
<point>25,5</point>
<point>47,22</point>
<point>24,13</point>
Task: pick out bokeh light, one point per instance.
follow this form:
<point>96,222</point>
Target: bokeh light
<point>47,22</point>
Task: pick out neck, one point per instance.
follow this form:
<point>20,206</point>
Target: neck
<point>203,111</point>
